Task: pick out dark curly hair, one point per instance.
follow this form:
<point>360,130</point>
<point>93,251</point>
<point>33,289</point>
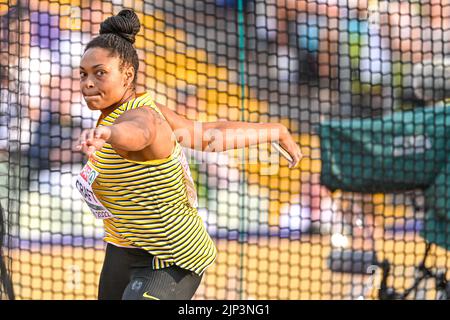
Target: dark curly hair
<point>117,34</point>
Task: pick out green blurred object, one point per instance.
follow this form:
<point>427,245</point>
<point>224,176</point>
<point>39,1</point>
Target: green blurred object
<point>402,151</point>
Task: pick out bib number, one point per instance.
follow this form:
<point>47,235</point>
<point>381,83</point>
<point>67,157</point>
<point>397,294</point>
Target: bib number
<point>84,185</point>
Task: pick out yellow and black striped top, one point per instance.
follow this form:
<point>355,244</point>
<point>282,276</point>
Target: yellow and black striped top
<point>153,203</point>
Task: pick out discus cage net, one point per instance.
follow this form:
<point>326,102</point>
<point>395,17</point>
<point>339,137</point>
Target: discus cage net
<point>281,233</point>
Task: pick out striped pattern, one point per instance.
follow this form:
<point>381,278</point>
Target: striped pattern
<point>150,203</point>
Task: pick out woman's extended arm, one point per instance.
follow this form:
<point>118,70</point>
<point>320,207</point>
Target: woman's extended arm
<point>132,131</point>
<point>225,135</point>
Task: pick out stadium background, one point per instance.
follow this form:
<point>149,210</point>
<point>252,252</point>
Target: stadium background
<point>275,228</point>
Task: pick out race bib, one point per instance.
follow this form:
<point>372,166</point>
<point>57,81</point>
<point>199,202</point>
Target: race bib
<point>84,185</point>
<point>190,186</point>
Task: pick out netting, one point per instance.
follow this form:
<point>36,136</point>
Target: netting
<point>361,85</point>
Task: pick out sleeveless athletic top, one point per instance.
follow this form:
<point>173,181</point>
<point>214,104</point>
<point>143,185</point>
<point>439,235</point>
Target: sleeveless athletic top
<point>150,205</point>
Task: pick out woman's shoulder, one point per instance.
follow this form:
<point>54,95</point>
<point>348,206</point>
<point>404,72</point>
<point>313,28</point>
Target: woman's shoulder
<point>153,105</point>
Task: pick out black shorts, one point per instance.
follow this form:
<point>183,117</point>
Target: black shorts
<point>127,274</point>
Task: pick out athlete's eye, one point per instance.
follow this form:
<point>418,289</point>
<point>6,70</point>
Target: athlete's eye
<point>100,73</point>
<point>82,74</point>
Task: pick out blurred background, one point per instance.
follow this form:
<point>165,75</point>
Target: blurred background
<point>362,85</point>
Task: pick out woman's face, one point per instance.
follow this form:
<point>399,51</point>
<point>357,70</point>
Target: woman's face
<point>102,82</point>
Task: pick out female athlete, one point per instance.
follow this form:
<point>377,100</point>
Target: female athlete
<point>137,179</point>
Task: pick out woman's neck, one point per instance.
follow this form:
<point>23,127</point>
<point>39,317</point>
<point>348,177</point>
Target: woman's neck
<point>127,96</point>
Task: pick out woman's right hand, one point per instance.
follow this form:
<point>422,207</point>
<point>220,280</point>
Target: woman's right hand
<point>287,142</point>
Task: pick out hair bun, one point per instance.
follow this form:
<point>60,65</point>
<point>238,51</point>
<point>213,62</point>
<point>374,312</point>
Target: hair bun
<point>125,24</point>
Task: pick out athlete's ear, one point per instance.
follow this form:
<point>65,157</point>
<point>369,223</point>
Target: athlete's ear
<point>129,76</point>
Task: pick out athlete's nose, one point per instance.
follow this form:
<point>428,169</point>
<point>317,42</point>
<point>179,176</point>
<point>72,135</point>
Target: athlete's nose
<point>89,83</point>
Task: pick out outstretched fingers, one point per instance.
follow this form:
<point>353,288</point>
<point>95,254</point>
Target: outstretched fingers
<point>91,140</point>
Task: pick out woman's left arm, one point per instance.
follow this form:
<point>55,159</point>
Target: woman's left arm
<point>134,130</point>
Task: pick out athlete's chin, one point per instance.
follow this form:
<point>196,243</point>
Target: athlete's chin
<point>94,104</point>
<point>94,107</point>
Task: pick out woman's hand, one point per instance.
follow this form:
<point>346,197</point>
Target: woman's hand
<point>92,140</point>
<point>287,142</point>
